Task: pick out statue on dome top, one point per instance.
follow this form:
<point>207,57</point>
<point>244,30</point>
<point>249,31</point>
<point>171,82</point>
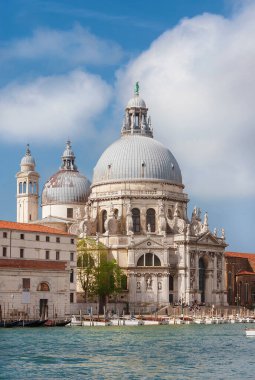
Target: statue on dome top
<point>136,88</point>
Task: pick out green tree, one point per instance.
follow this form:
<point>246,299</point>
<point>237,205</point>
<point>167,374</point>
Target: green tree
<point>98,275</point>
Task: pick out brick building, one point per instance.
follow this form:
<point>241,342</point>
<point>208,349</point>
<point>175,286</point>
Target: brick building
<point>240,278</point>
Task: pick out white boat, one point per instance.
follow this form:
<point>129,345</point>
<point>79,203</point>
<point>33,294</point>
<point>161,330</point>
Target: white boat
<point>75,321</point>
<point>133,322</point>
<point>92,322</point>
<point>151,322</point>
<point>250,332</point>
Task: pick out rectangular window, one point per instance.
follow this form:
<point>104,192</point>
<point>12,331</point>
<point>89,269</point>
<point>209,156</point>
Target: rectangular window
<point>58,239</point>
<point>47,255</point>
<point>47,239</point>
<point>71,276</point>
<point>21,253</point>
<point>26,283</point>
<point>5,235</point>
<point>71,297</point>
<point>71,256</point>
<point>57,255</point>
<point>72,241</point>
<point>22,236</point>
<point>4,251</point>
<point>37,238</point>
<point>69,213</point>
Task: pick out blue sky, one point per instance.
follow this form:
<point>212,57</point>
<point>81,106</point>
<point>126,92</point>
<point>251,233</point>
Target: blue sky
<point>67,70</point>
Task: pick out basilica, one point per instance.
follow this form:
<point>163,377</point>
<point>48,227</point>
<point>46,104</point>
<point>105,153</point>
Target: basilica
<point>136,206</point>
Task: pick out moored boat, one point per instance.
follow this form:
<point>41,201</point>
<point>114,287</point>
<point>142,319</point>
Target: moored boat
<point>250,332</point>
<point>9,324</point>
<point>54,323</point>
<point>31,323</point>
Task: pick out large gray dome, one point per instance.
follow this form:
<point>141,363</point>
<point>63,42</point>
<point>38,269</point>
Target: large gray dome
<point>66,187</point>
<point>137,157</point>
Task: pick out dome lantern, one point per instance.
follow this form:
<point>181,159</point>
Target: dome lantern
<point>27,163</point>
<point>135,120</point>
<point>68,158</point>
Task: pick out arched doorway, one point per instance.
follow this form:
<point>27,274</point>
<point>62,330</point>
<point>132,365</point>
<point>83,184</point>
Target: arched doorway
<point>201,266</point>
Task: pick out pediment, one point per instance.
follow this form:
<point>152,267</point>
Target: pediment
<point>148,243</point>
<point>208,239</point>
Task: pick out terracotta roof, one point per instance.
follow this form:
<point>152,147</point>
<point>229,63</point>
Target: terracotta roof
<point>6,225</point>
<point>33,264</point>
<point>240,254</point>
<point>245,272</point>
<point>249,256</point>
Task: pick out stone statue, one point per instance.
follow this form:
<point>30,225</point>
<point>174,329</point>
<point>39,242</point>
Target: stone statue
<point>223,233</point>
<point>215,232</point>
<point>136,88</point>
<point>149,228</point>
<point>149,282</point>
<point>78,213</point>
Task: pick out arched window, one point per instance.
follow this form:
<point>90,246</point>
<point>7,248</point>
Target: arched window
<point>149,260</point>
<point>104,217</point>
<point>24,187</point>
<point>30,188</point>
<point>20,187</point>
<point>43,287</point>
<point>150,219</point>
<point>201,266</point>
<point>136,220</point>
<point>116,213</point>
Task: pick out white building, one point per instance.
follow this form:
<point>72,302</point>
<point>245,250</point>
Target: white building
<point>37,271</point>
<point>137,207</point>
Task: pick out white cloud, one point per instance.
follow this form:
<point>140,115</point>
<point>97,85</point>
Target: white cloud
<point>52,107</point>
<point>73,47</point>
<point>199,81</point>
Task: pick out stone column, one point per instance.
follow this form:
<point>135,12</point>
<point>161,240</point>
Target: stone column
<point>196,283</point>
<point>214,300</point>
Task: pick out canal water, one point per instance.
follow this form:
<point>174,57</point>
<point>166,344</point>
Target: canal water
<point>160,352</point>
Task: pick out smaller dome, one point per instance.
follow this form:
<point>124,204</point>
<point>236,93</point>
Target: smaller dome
<point>28,160</point>
<point>136,102</point>
<point>66,187</point>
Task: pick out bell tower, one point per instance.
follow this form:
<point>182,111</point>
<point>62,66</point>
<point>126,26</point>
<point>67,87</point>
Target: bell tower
<point>27,189</point>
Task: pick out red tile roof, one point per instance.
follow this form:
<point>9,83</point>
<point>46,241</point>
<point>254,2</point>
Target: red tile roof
<point>240,254</point>
<point>249,256</point>
<point>6,225</point>
<point>33,264</point>
<point>245,272</point>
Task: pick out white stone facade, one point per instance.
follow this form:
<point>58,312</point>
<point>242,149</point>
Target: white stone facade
<point>138,209</point>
